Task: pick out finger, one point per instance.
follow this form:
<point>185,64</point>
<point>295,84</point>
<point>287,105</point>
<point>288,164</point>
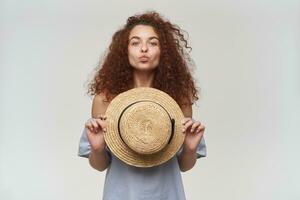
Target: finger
<point>187,125</point>
<point>90,131</point>
<point>88,128</point>
<point>102,124</point>
<point>89,125</point>
<point>195,126</point>
<point>200,128</point>
<point>94,123</point>
<point>185,120</point>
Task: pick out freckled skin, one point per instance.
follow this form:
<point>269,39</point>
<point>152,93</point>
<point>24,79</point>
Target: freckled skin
<point>143,41</point>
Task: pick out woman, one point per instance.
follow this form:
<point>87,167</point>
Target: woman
<point>147,52</point>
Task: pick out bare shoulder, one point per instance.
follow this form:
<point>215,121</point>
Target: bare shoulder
<point>186,108</point>
<point>99,105</point>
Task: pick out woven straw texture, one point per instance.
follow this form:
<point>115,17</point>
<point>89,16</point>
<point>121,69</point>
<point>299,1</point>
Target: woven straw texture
<point>143,115</point>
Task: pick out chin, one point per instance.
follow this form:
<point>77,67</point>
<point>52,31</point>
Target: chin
<point>144,67</point>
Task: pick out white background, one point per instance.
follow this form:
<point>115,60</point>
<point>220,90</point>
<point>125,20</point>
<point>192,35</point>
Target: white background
<point>247,56</point>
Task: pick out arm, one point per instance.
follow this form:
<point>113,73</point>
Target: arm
<point>99,158</point>
<point>187,158</point>
<point>193,131</point>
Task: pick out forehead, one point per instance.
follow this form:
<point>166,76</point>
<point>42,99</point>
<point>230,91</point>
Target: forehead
<point>143,31</point>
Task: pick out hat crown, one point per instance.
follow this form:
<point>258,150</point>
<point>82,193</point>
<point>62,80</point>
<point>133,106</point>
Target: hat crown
<point>145,127</point>
<point>116,125</point>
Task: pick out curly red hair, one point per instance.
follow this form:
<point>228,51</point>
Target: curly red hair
<point>172,75</point>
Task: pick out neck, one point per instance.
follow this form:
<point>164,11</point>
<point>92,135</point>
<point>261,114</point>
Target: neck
<point>143,79</point>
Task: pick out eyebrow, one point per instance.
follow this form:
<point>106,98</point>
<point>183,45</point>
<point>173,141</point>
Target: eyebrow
<point>150,38</point>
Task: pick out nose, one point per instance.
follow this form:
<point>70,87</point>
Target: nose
<point>144,48</point>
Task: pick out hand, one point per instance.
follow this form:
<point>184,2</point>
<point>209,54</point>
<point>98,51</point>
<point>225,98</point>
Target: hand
<point>194,131</point>
<point>96,128</point>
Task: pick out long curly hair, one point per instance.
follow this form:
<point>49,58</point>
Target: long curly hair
<point>173,74</point>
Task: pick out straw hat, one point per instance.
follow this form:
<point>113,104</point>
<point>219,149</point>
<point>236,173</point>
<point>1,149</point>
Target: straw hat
<point>144,127</point>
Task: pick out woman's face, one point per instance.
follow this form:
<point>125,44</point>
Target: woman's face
<point>143,48</point>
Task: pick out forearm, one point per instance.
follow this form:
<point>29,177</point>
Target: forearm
<point>100,160</point>
<point>187,159</point>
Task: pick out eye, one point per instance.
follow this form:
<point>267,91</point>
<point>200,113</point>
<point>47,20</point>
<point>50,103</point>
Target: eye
<point>134,43</point>
<point>154,43</point>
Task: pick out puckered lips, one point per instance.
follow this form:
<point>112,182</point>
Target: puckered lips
<point>144,58</point>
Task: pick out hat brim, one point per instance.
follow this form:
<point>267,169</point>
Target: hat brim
<point>116,144</point>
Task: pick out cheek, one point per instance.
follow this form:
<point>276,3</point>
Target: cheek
<point>132,52</point>
<point>131,60</point>
<point>157,55</point>
<point>131,55</point>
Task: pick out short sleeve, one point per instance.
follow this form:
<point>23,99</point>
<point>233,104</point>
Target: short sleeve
<point>201,149</point>
<point>85,148</point>
<point>84,145</point>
